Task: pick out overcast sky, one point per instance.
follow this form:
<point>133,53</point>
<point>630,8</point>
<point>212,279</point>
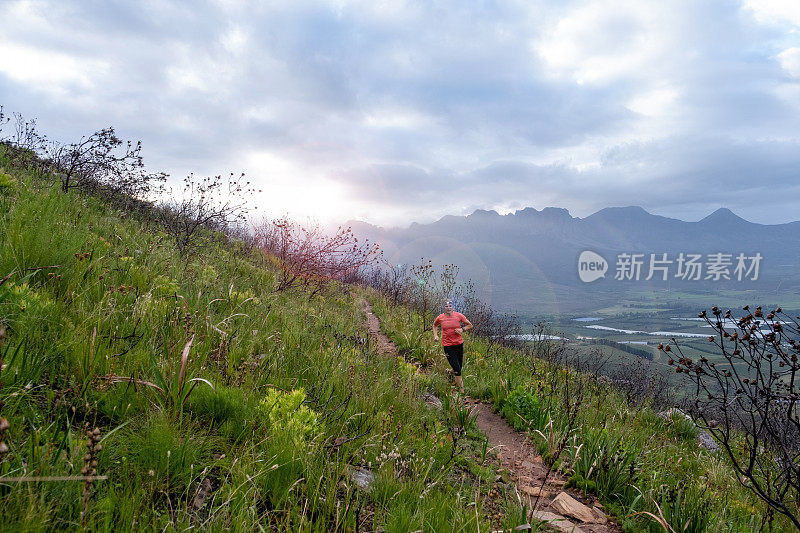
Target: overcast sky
<point>393,112</point>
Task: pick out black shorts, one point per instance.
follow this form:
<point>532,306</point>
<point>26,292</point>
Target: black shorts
<point>455,356</point>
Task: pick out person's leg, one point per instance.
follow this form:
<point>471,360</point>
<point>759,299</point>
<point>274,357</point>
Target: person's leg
<point>453,358</point>
<point>458,351</point>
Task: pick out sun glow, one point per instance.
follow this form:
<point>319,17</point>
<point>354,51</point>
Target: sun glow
<point>296,190</point>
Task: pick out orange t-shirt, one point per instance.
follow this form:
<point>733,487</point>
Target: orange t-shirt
<point>449,325</point>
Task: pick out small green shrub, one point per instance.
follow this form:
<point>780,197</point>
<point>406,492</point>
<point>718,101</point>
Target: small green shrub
<point>581,483</point>
<point>219,407</point>
<point>498,394</point>
<point>207,276</point>
<point>7,183</point>
<point>523,410</point>
<point>164,286</point>
<point>158,453</point>
<point>682,427</point>
<point>226,408</point>
<point>686,509</point>
<point>407,370</point>
<point>43,230</point>
<point>22,300</point>
<point>515,517</point>
<point>288,416</point>
<point>464,417</point>
<point>603,464</point>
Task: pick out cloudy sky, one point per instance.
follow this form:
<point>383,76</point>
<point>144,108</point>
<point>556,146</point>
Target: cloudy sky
<point>393,112</point>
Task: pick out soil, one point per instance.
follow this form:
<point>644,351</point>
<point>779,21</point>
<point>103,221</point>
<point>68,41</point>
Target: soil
<point>385,345</point>
<point>517,453</point>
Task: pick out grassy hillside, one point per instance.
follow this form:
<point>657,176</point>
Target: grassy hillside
<point>278,405</point>
<point>211,401</point>
<point>610,441</point>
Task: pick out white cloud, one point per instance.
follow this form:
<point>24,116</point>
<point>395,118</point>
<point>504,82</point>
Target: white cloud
<point>790,61</point>
<point>775,11</point>
<point>655,103</point>
<point>404,119</point>
<point>49,70</point>
<point>599,42</point>
<point>234,40</point>
<point>294,189</point>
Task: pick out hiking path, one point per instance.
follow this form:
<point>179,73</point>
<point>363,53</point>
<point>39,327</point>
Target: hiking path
<point>564,510</point>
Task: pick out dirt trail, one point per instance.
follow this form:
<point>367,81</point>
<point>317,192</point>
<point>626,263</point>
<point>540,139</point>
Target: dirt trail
<point>518,455</point>
<point>385,345</point>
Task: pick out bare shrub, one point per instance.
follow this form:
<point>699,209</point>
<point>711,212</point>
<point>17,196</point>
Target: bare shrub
<point>498,329</point>
<point>639,380</point>
<point>594,363</point>
<point>471,305</point>
<point>748,402</point>
<point>545,346</point>
<point>242,234</point>
<point>392,281</point>
<point>102,162</point>
<point>24,137</point>
<point>422,295</point>
<point>211,203</point>
<point>24,133</point>
<point>311,258</point>
<point>429,287</point>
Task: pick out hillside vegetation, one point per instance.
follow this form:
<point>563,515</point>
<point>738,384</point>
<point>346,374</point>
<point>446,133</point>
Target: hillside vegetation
<point>647,469</point>
<point>278,403</point>
<point>150,387</point>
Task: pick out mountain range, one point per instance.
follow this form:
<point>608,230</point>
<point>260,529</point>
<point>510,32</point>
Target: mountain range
<point>528,260</point>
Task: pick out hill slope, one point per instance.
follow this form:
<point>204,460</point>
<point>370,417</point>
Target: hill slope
<point>105,325</point>
<point>210,400</point>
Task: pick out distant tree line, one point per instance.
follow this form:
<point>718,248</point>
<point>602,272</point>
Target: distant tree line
<point>644,353</point>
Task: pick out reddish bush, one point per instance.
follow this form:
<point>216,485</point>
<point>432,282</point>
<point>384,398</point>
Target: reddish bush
<point>310,257</point>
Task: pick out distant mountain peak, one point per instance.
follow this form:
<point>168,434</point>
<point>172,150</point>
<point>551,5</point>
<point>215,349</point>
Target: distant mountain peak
<point>559,212</point>
<point>620,213</point>
<point>550,212</point>
<point>484,213</point>
<point>723,215</point>
<point>631,209</point>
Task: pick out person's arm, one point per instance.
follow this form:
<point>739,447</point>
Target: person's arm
<point>435,332</point>
<point>467,325</point>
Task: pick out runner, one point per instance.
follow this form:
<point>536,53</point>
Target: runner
<point>453,343</point>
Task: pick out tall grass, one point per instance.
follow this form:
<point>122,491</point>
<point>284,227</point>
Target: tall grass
<point>101,337</point>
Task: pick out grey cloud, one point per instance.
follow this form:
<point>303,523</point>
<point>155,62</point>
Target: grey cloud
<point>397,184</point>
<point>676,177</point>
<point>311,76</point>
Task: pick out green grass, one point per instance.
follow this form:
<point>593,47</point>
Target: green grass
<point>99,310</point>
<point>97,339</point>
<point>632,459</point>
